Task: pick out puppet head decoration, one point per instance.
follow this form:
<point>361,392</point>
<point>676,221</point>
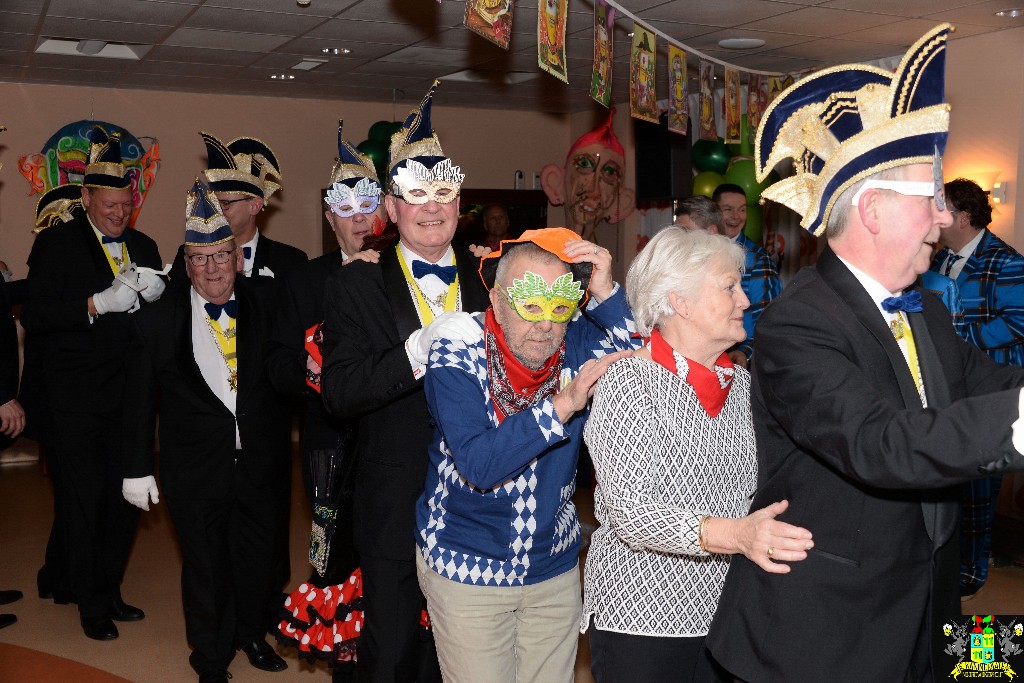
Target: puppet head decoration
<point>591,183</point>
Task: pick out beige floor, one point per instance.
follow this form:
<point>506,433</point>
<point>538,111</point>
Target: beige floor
<point>154,650</point>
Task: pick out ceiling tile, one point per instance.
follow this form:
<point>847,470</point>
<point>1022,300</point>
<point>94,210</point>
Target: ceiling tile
<point>416,54</point>
<point>184,69</point>
<point>359,51</point>
<point>435,15</point>
<point>834,51</point>
<point>16,22</point>
<point>227,40</point>
<point>81,62</point>
<point>383,68</point>
<point>252,21</point>
<point>819,21</point>
<point>902,33</point>
<point>18,41</point>
<point>173,53</point>
<point>717,13</point>
<point>371,31</point>
<point>140,11</point>
<point>772,41</point>
<point>320,8</point>
<point>981,14</point>
<point>12,58</point>
<point>903,8</point>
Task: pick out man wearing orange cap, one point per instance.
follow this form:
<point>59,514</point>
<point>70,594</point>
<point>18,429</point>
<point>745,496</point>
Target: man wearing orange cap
<point>590,184</point>
<point>497,532</point>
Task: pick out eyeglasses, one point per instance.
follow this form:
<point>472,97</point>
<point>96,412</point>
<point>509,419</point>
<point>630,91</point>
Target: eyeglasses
<point>219,257</point>
<point>911,188</point>
<point>225,203</point>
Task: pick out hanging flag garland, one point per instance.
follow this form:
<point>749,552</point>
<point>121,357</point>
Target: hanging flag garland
<point>491,19</point>
<point>708,129</point>
<point>604,30</point>
<point>551,38</point>
<point>643,98</point>
<point>732,105</point>
<point>757,99</point>
<point>678,108</point>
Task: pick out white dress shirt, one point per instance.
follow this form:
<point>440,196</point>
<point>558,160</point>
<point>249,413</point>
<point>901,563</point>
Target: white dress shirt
<point>210,359</point>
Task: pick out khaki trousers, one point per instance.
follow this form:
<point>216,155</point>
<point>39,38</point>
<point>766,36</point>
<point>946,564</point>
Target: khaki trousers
<point>504,634</point>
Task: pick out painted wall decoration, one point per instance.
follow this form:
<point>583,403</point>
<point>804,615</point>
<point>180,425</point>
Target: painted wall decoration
<point>643,96</point>
<point>732,105</point>
<point>491,19</point>
<point>604,31</point>
<point>551,38</point>
<point>63,157</point>
<point>708,128</point>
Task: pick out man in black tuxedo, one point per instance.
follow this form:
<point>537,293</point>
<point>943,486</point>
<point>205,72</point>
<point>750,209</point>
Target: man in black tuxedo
<point>198,358</point>
<point>867,405</point>
<point>83,284</point>
<point>240,173</point>
<point>380,320</point>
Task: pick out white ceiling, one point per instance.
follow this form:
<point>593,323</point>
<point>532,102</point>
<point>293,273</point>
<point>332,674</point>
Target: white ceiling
<point>399,46</point>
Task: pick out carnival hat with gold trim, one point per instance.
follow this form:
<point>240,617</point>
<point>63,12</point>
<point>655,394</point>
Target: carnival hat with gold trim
<point>205,223</point>
<point>352,166</point>
<point>105,168</point>
<point>551,240</point>
<point>415,147</point>
<point>244,165</point>
<point>58,205</point>
<point>847,122</point>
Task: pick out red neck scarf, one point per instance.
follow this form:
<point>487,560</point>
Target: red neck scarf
<point>711,387</point>
<point>514,386</point>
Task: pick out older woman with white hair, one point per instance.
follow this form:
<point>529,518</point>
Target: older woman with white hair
<point>672,441</point>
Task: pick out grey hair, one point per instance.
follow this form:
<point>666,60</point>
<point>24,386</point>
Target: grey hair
<point>702,210</point>
<point>674,262</point>
<point>841,209</point>
<point>518,250</point>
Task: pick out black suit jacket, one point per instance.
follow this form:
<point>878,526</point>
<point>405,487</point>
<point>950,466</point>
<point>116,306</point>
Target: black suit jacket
<point>299,305</point>
<point>197,431</point>
<point>83,371</point>
<point>369,315</point>
<point>8,356</point>
<point>842,436</point>
<point>279,257</point>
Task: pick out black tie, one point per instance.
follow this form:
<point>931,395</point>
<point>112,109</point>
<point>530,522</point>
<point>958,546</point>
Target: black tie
<point>106,239</point>
<point>445,273</point>
<point>247,252</point>
<point>950,262</point>
<point>229,307</point>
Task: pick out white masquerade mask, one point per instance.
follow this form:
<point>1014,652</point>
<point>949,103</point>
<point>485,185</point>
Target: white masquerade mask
<point>417,184</point>
<point>347,201</point>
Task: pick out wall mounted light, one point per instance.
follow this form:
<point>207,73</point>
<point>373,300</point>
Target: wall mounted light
<point>998,193</point>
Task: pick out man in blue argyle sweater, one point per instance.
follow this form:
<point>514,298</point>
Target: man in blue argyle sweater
<point>497,531</point>
<point>990,276</point>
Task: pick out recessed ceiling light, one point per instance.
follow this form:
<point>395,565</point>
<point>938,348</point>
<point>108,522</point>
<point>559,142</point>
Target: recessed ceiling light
<point>740,43</point>
<point>309,63</point>
<point>283,77</point>
<point>1012,13</point>
<point>91,48</point>
<point>336,51</point>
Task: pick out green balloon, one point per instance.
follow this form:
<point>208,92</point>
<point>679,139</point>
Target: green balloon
<point>710,155</point>
<point>380,131</point>
<point>377,150</point>
<point>706,182</point>
<point>754,227</point>
<point>394,128</point>
<point>741,172</point>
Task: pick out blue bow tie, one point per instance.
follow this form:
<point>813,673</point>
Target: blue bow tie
<point>106,239</point>
<point>247,252</point>
<point>445,273</point>
<point>229,307</point>
<point>908,301</point>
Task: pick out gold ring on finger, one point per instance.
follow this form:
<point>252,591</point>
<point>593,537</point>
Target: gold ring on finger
<point>771,550</point>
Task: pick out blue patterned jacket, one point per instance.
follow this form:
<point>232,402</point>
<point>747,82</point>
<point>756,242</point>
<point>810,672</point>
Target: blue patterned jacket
<point>992,290</point>
<point>760,283</point>
<point>496,508</point>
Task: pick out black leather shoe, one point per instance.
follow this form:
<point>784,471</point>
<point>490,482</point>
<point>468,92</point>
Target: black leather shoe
<point>121,611</point>
<point>214,677</point>
<point>99,629</point>
<point>7,619</point>
<point>262,656</point>
<point>7,597</point>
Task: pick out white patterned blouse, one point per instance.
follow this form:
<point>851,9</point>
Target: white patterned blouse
<point>661,464</point>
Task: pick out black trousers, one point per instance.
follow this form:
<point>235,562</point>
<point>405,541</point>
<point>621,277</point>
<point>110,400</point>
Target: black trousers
<point>53,576</point>
<point>99,524</point>
<point>227,547</point>
<point>391,647</point>
<point>627,658</point>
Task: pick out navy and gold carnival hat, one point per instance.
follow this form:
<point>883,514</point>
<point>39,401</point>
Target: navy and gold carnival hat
<point>205,223</point>
<point>58,205</point>
<point>105,169</point>
<point>416,161</point>
<point>244,165</point>
<point>353,177</point>
<point>845,123</point>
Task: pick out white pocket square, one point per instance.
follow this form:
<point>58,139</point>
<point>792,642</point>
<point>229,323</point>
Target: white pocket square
<point>265,272</point>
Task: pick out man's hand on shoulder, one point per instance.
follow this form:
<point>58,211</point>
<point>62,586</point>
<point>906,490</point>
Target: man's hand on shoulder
<point>574,396</point>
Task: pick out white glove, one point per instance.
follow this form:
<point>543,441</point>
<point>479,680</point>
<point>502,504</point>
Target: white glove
<point>451,325</point>
<point>117,298</point>
<point>140,491</point>
<point>152,286</point>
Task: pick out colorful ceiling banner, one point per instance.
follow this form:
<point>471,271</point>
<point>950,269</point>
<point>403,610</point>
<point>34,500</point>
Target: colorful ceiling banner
<point>757,99</point>
<point>678,108</point>
<point>63,158</point>
<point>708,130</point>
<point>551,38</point>
<point>604,30</point>
<point>491,19</point>
<point>643,97</point>
<point>732,105</point>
